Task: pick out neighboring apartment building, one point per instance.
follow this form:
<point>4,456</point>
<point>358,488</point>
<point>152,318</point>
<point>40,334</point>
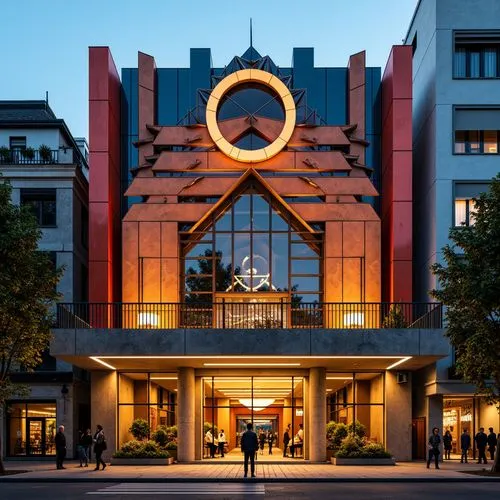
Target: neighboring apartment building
<point>48,170</point>
<point>239,268</point>
<point>456,134</point>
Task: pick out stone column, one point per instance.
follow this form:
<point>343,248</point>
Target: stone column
<point>398,439</point>
<point>435,418</point>
<point>186,414</point>
<point>316,434</point>
<point>104,406</point>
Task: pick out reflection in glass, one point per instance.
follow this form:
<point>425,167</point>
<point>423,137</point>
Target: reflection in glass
<point>242,214</point>
<point>305,266</point>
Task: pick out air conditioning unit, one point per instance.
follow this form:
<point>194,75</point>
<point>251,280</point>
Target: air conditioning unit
<point>402,377</point>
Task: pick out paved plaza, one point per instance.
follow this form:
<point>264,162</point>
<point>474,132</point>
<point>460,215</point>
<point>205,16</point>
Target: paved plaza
<point>291,471</point>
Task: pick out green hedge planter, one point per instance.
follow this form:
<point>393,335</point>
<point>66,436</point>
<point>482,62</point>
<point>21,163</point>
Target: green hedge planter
<point>142,461</point>
<point>363,461</point>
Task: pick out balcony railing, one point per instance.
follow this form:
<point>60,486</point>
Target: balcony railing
<point>241,315</point>
<point>35,157</point>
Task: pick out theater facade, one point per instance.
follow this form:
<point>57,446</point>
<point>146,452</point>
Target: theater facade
<point>251,252</point>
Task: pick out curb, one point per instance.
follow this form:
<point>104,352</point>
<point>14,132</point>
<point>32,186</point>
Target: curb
<point>480,479</point>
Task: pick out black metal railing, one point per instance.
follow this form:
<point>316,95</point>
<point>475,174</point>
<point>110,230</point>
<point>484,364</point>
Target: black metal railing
<point>28,157</point>
<point>241,315</point>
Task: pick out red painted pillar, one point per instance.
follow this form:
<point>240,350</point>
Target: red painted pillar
<point>104,186</point>
<point>397,197</point>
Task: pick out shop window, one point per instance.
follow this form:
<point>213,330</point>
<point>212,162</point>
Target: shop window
<point>42,203</point>
<point>476,54</point>
<point>149,396</point>
<point>31,428</point>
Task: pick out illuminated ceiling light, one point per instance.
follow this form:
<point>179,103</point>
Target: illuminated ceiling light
<point>163,378</point>
<point>397,363</point>
<point>107,365</point>
<point>338,378</point>
<point>251,364</point>
<point>259,404</point>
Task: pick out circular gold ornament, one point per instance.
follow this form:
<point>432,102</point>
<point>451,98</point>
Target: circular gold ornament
<point>248,76</point>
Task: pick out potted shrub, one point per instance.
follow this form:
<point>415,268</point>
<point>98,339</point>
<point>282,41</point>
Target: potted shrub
<point>395,318</point>
<point>28,154</point>
<point>141,453</point>
<point>139,429</point>
<point>356,450</point>
<point>171,447</point>
<point>4,154</point>
<point>45,153</point>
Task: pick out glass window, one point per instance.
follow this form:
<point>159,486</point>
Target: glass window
<point>473,143</point>
<point>42,203</point>
<point>460,212</point>
<point>490,62</point>
<point>460,62</point>
<point>460,141</point>
<point>253,258</point>
<point>474,64</point>
<point>490,142</point>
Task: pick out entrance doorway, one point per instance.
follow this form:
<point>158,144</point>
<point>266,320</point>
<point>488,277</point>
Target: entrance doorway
<point>269,403</point>
<point>39,440</point>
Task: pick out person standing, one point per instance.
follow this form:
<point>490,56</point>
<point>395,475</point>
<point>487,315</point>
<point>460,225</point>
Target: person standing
<point>60,442</point>
<point>298,440</point>
<point>286,440</point>
<point>433,445</point>
<point>209,439</point>
<point>481,441</point>
<point>249,447</point>
<point>100,446</point>
<point>222,442</point>
<point>464,445</point>
<point>262,441</point>
<point>492,443</point>
<point>447,443</point>
<point>270,440</point>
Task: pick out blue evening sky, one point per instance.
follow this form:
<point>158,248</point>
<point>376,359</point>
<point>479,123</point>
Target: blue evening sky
<point>45,42</point>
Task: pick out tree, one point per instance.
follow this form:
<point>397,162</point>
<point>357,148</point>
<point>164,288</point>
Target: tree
<point>469,283</point>
<point>28,283</point>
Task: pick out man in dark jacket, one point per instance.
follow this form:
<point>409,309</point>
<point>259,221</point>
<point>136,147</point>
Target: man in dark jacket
<point>492,443</point>
<point>434,442</point>
<point>464,445</point>
<point>481,442</point>
<point>249,446</point>
<point>60,442</point>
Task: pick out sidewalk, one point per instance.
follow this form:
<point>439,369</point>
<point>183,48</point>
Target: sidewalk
<point>207,472</point>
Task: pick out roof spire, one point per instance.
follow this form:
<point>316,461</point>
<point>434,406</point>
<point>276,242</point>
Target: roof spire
<point>251,37</point>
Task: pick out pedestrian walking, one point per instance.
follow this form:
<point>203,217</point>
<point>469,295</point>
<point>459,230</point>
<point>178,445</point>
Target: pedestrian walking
<point>60,442</point>
<point>481,441</point>
<point>433,445</point>
<point>100,446</point>
<point>492,443</point>
<point>447,444</point>
<point>84,445</point>
<point>222,442</point>
<point>249,447</point>
<point>464,445</point>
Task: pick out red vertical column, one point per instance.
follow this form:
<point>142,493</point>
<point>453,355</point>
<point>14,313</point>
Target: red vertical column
<point>104,186</point>
<point>357,91</point>
<point>397,197</point>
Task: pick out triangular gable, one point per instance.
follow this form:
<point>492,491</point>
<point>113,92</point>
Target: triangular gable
<point>219,206</point>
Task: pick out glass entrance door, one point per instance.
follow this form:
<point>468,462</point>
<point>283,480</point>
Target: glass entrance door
<point>40,434</point>
<point>272,403</point>
<point>35,432</point>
